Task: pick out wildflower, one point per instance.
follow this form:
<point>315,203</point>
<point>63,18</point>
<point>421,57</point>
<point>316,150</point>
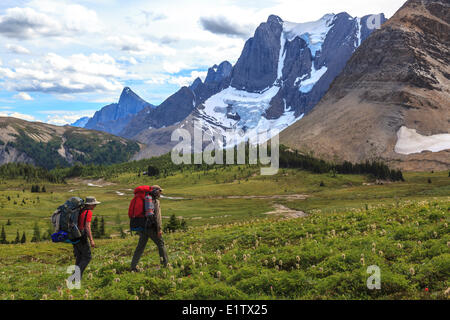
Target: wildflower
<point>113,270</point>
<point>362,261</point>
<point>136,298</point>
<point>147,293</point>
<point>321,269</point>
<point>117,279</point>
<point>280,263</point>
<point>297,266</point>
<point>343,256</point>
<point>373,250</point>
<point>419,242</point>
<point>86,291</point>
<point>298,258</point>
<point>141,290</point>
<point>274,259</point>
<point>201,273</point>
<point>219,274</point>
<point>182,267</point>
<point>266,262</point>
<point>70,297</point>
<point>86,296</point>
<point>435,234</point>
<point>277,267</point>
<point>12,297</point>
<point>90,276</point>
<point>180,280</point>
<point>374,244</point>
<point>399,245</point>
<point>230,267</point>
<point>380,253</point>
<point>411,270</point>
<point>44,297</point>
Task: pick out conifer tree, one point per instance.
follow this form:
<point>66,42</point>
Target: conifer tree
<point>94,228</point>
<point>36,233</point>
<point>102,227</point>
<point>3,236</point>
<point>17,240</point>
<point>24,238</point>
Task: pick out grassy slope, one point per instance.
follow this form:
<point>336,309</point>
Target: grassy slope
<point>339,206</point>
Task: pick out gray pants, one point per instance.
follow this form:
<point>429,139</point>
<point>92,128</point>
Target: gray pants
<point>143,239</point>
<point>82,252</point>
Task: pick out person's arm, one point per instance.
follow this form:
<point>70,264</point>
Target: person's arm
<point>89,233</point>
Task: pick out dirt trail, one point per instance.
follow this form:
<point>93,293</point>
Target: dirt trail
<point>285,211</point>
<point>280,197</point>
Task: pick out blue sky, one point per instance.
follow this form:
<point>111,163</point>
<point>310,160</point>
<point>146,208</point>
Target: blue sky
<point>61,60</point>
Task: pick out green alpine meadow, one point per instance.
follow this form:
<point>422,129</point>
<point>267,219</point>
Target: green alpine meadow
<point>231,233</point>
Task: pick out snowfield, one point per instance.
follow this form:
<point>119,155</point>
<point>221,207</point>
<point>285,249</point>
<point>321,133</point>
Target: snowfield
<point>409,141</point>
<point>250,107</point>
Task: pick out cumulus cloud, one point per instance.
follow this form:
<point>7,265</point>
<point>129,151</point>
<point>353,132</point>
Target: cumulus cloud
<point>26,23</point>
<point>152,16</point>
<point>14,48</point>
<point>187,81</point>
<point>56,74</point>
<point>17,115</point>
<point>174,67</point>
<point>63,117</point>
<point>139,46</point>
<point>23,96</point>
<point>223,26</point>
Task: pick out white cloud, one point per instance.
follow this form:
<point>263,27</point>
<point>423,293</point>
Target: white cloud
<point>139,46</point>
<point>186,81</point>
<point>63,117</point>
<point>23,96</point>
<point>174,67</point>
<point>56,74</point>
<point>14,48</point>
<point>130,60</point>
<point>17,115</point>
<point>46,18</point>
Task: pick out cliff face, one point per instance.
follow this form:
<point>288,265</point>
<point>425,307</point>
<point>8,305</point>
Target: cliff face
<point>399,77</point>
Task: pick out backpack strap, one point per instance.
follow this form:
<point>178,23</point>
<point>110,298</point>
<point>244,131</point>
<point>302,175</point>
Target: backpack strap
<point>85,219</point>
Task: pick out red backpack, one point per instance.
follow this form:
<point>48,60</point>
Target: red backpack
<point>136,208</point>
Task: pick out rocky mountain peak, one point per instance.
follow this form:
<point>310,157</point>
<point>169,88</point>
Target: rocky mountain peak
<point>219,72</point>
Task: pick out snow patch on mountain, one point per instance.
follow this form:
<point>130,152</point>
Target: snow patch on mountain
<point>232,110</point>
<point>409,141</point>
<point>308,84</point>
<point>281,56</point>
<point>314,33</point>
<point>358,35</point>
